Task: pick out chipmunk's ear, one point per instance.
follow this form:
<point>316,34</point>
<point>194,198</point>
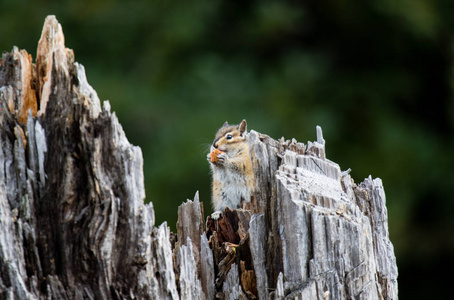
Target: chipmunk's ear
<point>242,127</point>
<point>225,124</point>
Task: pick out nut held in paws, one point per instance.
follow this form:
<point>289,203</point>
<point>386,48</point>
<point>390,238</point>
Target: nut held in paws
<point>214,155</point>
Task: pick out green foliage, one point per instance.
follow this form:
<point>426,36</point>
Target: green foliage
<point>376,75</point>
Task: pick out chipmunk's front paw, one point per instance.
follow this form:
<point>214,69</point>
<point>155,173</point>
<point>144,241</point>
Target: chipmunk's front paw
<point>217,156</point>
<point>216,215</point>
<point>221,157</point>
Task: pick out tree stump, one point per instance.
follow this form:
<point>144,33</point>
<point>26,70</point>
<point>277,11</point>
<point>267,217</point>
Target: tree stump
<point>73,223</point>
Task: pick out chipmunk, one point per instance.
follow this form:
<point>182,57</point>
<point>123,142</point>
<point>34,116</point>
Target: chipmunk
<point>233,179</point>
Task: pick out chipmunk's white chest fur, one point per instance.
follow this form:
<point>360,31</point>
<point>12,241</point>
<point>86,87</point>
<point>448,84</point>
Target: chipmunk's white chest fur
<point>231,190</point>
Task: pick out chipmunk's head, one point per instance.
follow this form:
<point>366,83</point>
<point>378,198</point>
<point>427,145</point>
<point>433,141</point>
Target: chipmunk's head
<point>230,137</point>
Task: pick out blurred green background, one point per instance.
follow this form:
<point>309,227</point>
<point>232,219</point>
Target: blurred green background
<point>377,75</point>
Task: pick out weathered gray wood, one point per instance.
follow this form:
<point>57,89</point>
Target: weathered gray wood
<point>73,224</point>
<point>207,269</point>
<point>160,268</point>
<point>198,254</point>
<point>190,221</point>
<point>324,237</point>
<point>257,243</point>
<point>190,285</point>
<point>231,287</point>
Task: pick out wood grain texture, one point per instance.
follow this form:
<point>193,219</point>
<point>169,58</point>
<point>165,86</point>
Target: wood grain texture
<point>73,220</point>
<point>73,223</point>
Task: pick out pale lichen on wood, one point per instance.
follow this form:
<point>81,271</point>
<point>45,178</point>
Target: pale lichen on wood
<point>73,223</point>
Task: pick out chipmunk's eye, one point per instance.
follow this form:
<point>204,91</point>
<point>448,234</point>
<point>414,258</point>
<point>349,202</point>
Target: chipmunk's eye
<point>229,137</point>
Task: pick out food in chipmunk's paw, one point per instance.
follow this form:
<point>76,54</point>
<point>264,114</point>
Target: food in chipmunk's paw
<point>214,155</point>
